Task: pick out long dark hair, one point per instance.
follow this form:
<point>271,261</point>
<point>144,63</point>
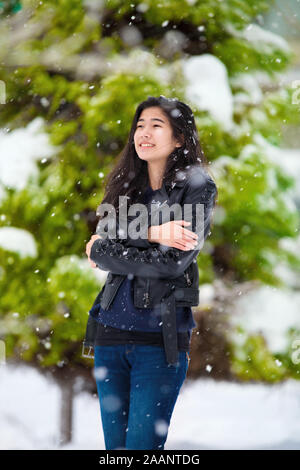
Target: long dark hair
<point>130,175</point>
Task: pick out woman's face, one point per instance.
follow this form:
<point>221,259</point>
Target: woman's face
<point>154,128</point>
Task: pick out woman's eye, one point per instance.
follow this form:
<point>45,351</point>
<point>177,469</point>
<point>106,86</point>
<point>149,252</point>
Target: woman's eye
<point>154,125</point>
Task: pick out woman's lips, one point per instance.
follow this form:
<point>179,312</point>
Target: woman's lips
<point>147,147</point>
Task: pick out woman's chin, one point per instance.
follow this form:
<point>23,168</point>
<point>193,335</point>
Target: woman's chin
<point>143,157</point>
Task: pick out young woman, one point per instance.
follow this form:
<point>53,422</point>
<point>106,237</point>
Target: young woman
<point>140,324</point>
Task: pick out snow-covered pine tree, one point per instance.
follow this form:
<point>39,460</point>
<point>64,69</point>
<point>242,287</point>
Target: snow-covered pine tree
<point>80,68</point>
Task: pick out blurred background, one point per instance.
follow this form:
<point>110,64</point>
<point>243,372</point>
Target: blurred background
<point>72,73</point>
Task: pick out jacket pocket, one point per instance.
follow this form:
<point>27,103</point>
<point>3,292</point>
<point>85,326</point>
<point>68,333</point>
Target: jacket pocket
<point>111,288</point>
<point>146,295</point>
<point>189,274</point>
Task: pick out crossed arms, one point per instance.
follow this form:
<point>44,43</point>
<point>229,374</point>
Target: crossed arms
<point>139,257</point>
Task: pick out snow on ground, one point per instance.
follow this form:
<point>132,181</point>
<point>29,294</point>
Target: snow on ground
<point>208,414</point>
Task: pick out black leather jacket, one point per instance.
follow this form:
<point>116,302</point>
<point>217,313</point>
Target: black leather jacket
<point>161,275</point>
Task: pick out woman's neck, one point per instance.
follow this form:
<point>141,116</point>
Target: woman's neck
<point>155,177</point>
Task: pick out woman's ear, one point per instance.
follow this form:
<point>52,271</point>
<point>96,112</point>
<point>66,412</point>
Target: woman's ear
<point>180,142</point>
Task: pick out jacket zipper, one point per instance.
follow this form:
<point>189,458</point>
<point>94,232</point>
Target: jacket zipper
<point>146,295</point>
<point>188,280</point>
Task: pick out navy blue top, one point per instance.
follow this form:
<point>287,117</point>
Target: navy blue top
<point>124,315</point>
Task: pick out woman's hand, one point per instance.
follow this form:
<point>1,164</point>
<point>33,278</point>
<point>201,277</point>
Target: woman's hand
<point>88,249</point>
<point>173,234</point>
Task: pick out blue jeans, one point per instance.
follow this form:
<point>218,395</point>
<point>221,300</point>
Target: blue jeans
<point>137,391</point>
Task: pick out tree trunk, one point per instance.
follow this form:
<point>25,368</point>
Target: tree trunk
<point>66,411</point>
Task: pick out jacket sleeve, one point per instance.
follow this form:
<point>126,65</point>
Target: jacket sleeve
<point>112,255</point>
<point>128,240</point>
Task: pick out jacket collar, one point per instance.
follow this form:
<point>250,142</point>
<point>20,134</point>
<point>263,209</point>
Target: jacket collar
<point>179,181</point>
<point>164,192</point>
